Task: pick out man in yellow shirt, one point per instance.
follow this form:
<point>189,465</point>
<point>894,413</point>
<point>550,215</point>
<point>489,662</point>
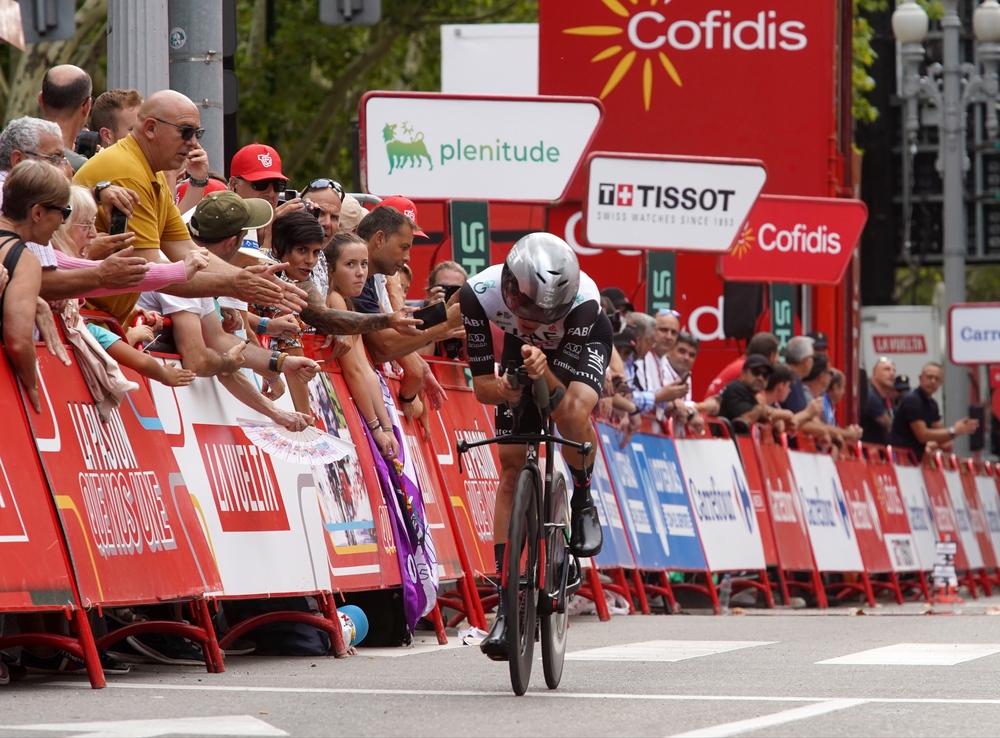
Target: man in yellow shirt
<point>165,133</point>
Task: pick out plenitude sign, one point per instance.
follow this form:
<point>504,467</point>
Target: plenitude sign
<point>974,333</point>
<point>803,240</point>
<point>667,202</point>
<point>433,146</point>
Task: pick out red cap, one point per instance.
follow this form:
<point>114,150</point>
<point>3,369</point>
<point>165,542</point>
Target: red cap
<point>213,185</point>
<point>406,207</point>
<point>256,161</point>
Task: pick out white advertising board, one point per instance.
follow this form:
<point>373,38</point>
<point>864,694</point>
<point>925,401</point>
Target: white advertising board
<point>834,542</point>
<point>432,146</point>
<point>974,333</point>
<point>989,501</point>
<point>720,499</point>
<point>963,518</point>
<point>670,203</point>
<point>919,512</point>
<point>490,59</point>
<point>261,515</point>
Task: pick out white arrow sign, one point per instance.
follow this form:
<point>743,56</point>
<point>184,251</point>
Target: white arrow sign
<point>218,725</point>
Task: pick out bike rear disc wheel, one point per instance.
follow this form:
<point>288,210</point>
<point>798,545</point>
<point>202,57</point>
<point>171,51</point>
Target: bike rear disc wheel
<point>522,579</point>
<point>557,554</point>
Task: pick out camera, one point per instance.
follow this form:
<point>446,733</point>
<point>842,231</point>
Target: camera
<point>87,142</point>
<point>286,195</point>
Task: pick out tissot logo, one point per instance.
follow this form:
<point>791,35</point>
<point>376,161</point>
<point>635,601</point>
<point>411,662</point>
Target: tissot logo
<point>668,197</point>
<point>647,35</point>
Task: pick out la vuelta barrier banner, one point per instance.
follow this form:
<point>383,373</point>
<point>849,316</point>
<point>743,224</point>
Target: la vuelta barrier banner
<point>653,501</point>
<point>132,531</point>
<point>473,492</point>
<point>889,503</point>
<point>945,519</point>
<point>990,503</point>
<point>791,533</point>
<point>963,518</point>
<point>260,514</point>
<point>919,513</point>
<point>864,516</point>
<point>34,573</point>
<point>834,542</point>
<point>755,480</point>
<point>978,519</point>
<point>720,498</point>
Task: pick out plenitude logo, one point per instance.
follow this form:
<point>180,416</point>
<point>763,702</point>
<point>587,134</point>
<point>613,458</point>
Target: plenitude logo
<point>646,35</point>
<point>406,148</point>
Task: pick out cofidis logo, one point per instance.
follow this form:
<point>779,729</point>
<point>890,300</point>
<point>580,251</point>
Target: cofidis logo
<point>407,148</point>
<point>654,37</point>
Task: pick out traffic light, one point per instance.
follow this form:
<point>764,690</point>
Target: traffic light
<point>350,12</point>
<point>48,20</point>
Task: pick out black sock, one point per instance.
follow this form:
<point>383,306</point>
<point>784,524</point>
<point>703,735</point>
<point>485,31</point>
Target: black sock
<point>581,487</point>
<point>499,554</point>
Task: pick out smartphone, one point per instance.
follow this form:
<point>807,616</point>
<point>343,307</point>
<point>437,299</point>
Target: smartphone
<point>432,314</point>
<point>448,290</point>
<point>119,222</point>
<point>287,195</point>
<point>87,142</point>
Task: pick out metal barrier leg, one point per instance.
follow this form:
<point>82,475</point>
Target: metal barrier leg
<point>210,646</point>
<point>328,607</point>
<point>91,658</point>
<point>768,595</point>
<point>435,616</point>
<point>668,591</point>
<point>640,591</point>
<point>713,594</point>
<point>597,589</point>
<point>622,586</point>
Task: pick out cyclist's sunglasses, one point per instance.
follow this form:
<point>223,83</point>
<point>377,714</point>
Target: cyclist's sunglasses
<point>323,184</point>
<point>262,185</point>
<point>187,132</point>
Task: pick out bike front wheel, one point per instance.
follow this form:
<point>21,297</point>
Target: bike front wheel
<point>557,558</point>
<point>522,580</point>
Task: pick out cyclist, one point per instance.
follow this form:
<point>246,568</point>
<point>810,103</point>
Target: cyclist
<point>551,317</point>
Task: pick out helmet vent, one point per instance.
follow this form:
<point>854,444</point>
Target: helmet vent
<point>541,278</point>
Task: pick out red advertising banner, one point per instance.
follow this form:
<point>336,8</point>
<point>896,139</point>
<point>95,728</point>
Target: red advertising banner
<point>686,78</point>
<point>977,516</point>
<point>944,513</point>
<point>35,571</point>
<point>472,492</point>
<point>801,240</point>
<point>898,535</point>
<point>758,495</point>
<point>864,515</point>
<point>132,531</point>
<point>787,515</point>
<point>419,452</point>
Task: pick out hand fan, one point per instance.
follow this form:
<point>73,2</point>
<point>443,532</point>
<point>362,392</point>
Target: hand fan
<point>310,446</point>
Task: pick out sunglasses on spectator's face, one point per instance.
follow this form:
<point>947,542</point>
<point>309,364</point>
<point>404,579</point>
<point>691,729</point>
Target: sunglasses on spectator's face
<point>66,211</point>
<point>186,131</point>
<point>761,371</point>
<point>262,185</point>
<point>323,184</point>
<point>668,311</point>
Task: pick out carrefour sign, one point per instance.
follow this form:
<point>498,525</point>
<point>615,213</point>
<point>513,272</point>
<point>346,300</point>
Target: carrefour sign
<point>430,146</point>
<point>666,202</point>
<point>974,333</point>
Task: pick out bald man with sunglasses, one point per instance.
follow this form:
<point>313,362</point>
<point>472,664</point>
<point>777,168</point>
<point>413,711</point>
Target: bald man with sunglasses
<point>165,133</point>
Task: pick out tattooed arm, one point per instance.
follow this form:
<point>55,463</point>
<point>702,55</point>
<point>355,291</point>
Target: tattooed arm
<point>345,322</point>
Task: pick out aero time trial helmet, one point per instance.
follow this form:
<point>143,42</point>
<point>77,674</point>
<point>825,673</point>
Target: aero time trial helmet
<point>540,279</point>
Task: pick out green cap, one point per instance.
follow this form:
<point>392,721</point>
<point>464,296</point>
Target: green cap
<point>223,214</point>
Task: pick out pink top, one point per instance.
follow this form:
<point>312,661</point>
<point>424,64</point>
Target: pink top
<point>158,276</point>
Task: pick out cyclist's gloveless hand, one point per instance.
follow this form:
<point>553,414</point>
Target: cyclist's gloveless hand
<point>534,361</point>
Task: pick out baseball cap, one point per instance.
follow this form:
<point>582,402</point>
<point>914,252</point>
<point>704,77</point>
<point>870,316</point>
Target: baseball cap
<point>351,213</point>
<point>406,207</point>
<point>625,338</point>
<point>213,185</point>
<point>256,161</point>
<point>819,340</point>
<point>617,297</point>
<point>223,214</point>
<point>902,383</point>
<point>753,361</point>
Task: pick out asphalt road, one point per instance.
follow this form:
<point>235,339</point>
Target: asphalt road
<point>759,674</point>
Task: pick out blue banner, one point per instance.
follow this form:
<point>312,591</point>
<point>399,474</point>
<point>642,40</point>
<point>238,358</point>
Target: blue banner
<point>616,551</point>
<point>653,501</point>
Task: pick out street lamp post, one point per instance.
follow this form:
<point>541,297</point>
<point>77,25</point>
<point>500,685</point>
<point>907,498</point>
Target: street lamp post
<point>950,87</point>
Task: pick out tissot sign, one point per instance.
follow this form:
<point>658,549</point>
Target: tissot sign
<point>441,147</point>
<point>796,239</point>
<point>660,202</point>
<point>974,333</point>
<point>703,78</point>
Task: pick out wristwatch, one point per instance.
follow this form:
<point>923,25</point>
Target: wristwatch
<point>97,190</point>
<point>192,182</point>
<point>951,430</point>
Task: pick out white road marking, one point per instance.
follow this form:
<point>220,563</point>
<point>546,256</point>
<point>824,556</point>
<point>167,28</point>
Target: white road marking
<point>769,721</point>
<point>661,650</point>
<point>218,725</point>
<point>918,654</point>
<point>540,694</point>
